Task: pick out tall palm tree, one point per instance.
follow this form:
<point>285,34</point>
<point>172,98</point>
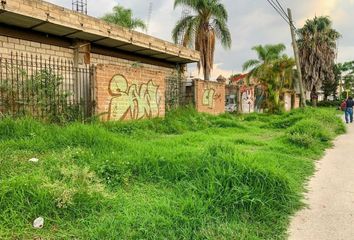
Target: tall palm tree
<point>317,50</point>
<point>124,17</point>
<point>273,69</point>
<point>200,30</point>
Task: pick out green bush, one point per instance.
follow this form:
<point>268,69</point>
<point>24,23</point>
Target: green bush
<point>311,128</point>
<point>301,140</point>
<point>317,126</point>
<point>335,103</point>
<point>39,95</point>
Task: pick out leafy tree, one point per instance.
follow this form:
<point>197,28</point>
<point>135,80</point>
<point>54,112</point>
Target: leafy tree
<point>344,74</point>
<point>273,69</point>
<point>349,84</point>
<point>124,17</point>
<point>317,50</point>
<point>331,88</point>
<point>341,70</point>
<point>201,30</point>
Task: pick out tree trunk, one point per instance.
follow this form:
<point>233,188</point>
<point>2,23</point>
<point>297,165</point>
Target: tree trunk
<point>314,97</point>
<point>206,74</point>
<point>277,99</point>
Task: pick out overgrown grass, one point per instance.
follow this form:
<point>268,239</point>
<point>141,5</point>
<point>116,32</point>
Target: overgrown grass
<point>188,176</point>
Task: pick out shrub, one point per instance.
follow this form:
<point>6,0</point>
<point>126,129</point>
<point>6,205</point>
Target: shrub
<point>40,95</point>
<point>335,103</point>
<point>307,132</point>
<point>301,140</point>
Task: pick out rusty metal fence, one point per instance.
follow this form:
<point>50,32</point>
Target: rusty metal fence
<point>52,89</point>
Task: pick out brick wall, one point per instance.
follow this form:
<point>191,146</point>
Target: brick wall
<point>110,60</point>
<point>126,92</point>
<point>46,51</point>
<point>145,90</point>
<point>209,97</point>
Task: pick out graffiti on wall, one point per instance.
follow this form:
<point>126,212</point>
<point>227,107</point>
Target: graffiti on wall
<point>247,100</point>
<point>209,97</point>
<point>130,101</point>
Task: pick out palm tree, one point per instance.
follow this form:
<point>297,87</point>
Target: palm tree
<point>317,51</point>
<point>124,17</point>
<point>201,29</point>
<point>273,69</point>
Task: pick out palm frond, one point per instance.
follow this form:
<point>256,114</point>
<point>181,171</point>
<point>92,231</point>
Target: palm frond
<point>181,28</point>
<point>222,32</point>
<point>209,24</point>
<point>250,63</point>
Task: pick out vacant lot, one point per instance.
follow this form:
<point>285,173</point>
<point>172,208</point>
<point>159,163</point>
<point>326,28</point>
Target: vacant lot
<point>190,176</point>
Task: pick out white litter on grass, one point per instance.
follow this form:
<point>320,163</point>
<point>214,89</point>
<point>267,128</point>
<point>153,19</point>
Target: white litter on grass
<point>34,160</point>
<point>38,222</point>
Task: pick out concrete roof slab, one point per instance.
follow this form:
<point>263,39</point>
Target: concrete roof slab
<point>53,29</point>
<point>63,22</point>
<point>18,20</point>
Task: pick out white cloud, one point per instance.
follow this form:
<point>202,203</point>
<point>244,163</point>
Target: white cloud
<point>217,71</point>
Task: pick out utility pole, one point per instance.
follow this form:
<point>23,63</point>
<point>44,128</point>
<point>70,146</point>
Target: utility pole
<point>297,59</point>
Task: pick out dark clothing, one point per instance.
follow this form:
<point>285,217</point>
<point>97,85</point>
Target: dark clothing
<point>349,110</point>
<point>349,114</point>
<point>350,103</point>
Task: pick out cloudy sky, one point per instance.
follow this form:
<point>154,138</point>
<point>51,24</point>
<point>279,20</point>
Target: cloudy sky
<point>251,22</point>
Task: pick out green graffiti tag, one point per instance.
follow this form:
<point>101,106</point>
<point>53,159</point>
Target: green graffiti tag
<point>133,101</point>
<point>209,97</point>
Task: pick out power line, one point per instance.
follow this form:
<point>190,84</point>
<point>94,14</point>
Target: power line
<point>286,19</point>
<point>280,10</point>
<point>285,13</point>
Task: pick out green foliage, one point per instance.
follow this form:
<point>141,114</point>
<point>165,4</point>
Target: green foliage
<point>124,17</point>
<point>188,176</point>
<point>309,132</point>
<point>200,30</point>
<point>40,95</point>
<point>335,104</point>
<point>273,69</point>
<point>317,41</point>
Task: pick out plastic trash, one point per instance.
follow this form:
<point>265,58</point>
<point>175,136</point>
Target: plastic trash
<point>34,160</point>
<point>38,223</point>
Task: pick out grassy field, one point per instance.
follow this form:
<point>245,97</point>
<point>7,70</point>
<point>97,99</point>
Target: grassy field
<point>190,176</point>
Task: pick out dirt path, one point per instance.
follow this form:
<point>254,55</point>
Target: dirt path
<point>330,212</point>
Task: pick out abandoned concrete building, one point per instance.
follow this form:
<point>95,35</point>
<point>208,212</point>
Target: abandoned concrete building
<point>127,74</point>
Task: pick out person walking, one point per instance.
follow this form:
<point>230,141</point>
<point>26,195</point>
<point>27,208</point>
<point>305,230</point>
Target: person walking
<point>349,110</point>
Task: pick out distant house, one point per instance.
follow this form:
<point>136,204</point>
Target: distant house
<point>244,95</point>
<point>248,95</point>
